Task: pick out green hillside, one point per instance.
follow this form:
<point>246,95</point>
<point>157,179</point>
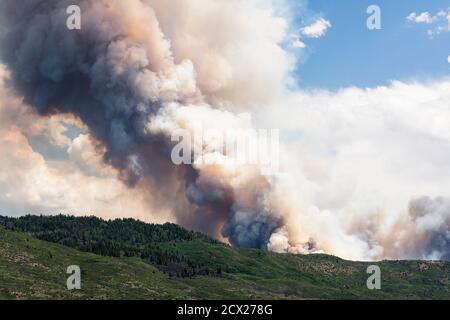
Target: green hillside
<point>127,259</point>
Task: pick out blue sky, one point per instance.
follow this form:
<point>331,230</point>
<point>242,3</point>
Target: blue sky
<point>351,55</point>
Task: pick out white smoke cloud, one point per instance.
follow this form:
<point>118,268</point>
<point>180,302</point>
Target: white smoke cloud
<point>221,38</point>
<point>355,160</point>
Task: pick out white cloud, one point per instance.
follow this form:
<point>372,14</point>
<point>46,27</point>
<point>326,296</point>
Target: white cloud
<point>298,44</point>
<point>317,29</point>
<point>448,59</point>
<point>437,24</point>
<point>423,17</point>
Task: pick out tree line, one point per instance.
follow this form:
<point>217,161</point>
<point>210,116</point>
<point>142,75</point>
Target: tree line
<point>153,243</point>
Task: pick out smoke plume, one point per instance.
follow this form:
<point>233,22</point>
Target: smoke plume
<point>133,87</point>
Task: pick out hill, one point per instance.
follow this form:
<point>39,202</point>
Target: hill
<point>128,259</point>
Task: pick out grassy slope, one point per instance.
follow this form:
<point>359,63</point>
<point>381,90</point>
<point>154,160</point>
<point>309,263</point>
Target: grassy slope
<point>31,268</point>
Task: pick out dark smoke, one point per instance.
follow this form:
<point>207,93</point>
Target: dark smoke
<point>103,74</point>
<point>432,221</point>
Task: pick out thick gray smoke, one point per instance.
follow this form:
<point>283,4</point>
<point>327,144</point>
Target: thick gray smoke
<point>431,218</point>
<point>119,76</point>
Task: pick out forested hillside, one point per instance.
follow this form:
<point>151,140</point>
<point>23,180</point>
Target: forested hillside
<point>118,238</point>
<point>130,259</point>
